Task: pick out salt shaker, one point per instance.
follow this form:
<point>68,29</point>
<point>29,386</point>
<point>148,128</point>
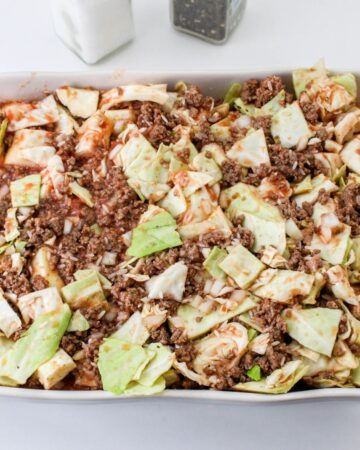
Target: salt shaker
<point>93,28</point>
<point>212,20</point>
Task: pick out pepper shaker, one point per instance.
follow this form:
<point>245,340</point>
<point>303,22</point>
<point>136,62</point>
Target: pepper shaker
<point>93,28</point>
<point>212,20</point>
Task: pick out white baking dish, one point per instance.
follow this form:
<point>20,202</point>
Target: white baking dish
<point>31,85</point>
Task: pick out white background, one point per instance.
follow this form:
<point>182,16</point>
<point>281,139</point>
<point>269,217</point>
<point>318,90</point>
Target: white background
<point>273,34</point>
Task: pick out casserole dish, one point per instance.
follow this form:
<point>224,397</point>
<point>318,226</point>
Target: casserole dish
<point>29,86</point>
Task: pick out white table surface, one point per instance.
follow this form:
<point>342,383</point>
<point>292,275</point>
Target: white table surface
<point>274,33</point>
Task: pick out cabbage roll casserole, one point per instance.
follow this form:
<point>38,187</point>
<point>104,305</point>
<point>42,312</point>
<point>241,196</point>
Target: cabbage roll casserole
<point>153,237</point>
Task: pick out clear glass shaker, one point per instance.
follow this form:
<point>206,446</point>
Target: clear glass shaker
<point>212,20</point>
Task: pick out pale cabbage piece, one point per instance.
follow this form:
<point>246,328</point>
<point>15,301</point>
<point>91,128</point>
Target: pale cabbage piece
<point>242,266</point>
<point>279,382</point>
<point>216,151</point>
<point>80,102</point>
<point>158,365</point>
<point>319,182</point>
<point>56,369</point>
<point>155,232</point>
<point>136,145</point>
<point>202,163</point>
<point>303,78</point>
<point>221,130</point>
<point>351,155</point>
<point>282,285</point>
<point>105,283</point>
<point>189,316</point>
<point>174,202</point>
<point>36,346</point>
<point>37,303</point>
<point>250,151</point>
<point>200,205</point>
<point>86,292</point>
<point>31,148</point>
<point>331,163</point>
<point>170,283</point>
<point>133,330</point>
<point>332,371</point>
<point>40,265</point>
<point>261,218</point>
<point>94,132</point>
<point>274,105</point>
<point>290,126</point>
<point>232,93</point>
<point>77,323</point>
<point>190,181</point>
<point>25,115</point>
<point>292,230</point>
<point>260,343</point>
<point>271,257</point>
<point>11,226</point>
<point>211,263</point>
<point>314,328</point>
<point>224,346</point>
<point>274,188</point>
<point>331,97</point>
<point>336,249</point>
<point>149,190</point>
<point>153,316</point>
<point>5,345</point>
<point>136,389</point>
<point>118,363</point>
<point>190,374</point>
<point>157,168</point>
<point>25,191</point>
<point>66,124</point>
<point>53,177</point>
<point>304,186</point>
<point>266,232</point>
<point>82,193</point>
<point>184,143</point>
<point>319,283</point>
<point>242,198</point>
<point>347,126</point>
<point>348,81</point>
<point>338,281</point>
<point>153,93</point>
<point>217,221</point>
<point>9,321</point>
<point>120,118</point>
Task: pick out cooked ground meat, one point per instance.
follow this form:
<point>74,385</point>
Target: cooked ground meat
<point>268,315</point>
<point>263,122</point>
<point>269,87</point>
<point>249,91</point>
<point>303,259</point>
<point>232,173</point>
<point>348,207</point>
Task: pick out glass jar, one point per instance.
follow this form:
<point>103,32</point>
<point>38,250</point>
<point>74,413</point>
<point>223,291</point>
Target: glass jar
<point>212,20</point>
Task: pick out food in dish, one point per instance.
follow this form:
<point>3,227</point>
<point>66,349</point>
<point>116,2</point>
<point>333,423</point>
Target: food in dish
<point>155,238</point>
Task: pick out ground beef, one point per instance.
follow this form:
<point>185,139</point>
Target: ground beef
<point>157,124</point>
<point>232,173</point>
<point>185,352</point>
<point>275,357</point>
<point>348,207</point>
<point>269,87</point>
<point>161,335</point>
<point>213,238</point>
<point>310,111</point>
<point>303,259</point>
<point>87,374</point>
<point>190,252</point>
<point>193,97</point>
<point>290,210</point>
<point>11,281</point>
<point>116,203</point>
<point>225,377</point>
<point>249,91</point>
<point>294,164</point>
<point>268,315</point>
<point>38,282</point>
<point>263,122</point>
<point>155,264</point>
<point>245,236</point>
<point>129,300</point>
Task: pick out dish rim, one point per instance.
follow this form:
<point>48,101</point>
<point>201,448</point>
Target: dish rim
<point>21,84</point>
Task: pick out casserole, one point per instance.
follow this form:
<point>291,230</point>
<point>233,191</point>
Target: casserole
<point>28,86</point>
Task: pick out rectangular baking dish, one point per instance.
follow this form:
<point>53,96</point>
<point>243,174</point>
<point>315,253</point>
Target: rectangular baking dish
<point>30,85</point>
